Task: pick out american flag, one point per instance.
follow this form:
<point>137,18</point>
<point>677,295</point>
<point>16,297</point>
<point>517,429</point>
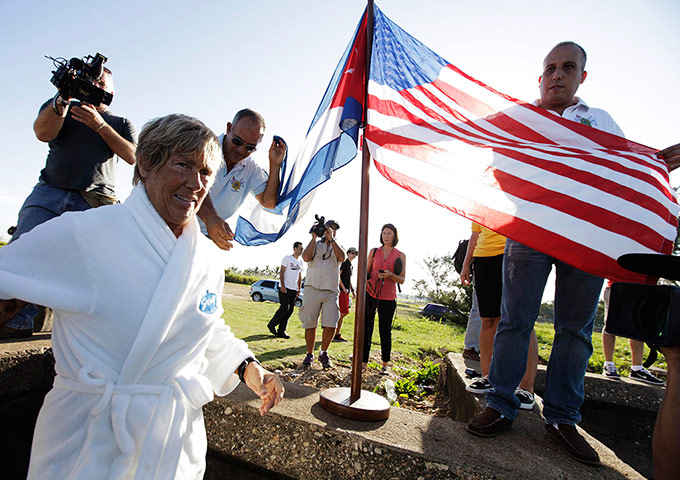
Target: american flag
<point>576,193</point>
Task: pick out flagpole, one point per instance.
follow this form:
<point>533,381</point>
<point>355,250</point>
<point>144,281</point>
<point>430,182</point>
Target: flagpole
<point>359,404</point>
<point>360,312</point>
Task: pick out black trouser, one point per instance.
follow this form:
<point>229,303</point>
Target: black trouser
<point>280,318</point>
<point>386,309</point>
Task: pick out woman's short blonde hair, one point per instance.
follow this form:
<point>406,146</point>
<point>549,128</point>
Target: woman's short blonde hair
<point>175,134</point>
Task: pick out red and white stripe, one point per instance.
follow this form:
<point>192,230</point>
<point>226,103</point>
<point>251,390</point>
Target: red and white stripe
<point>576,193</point>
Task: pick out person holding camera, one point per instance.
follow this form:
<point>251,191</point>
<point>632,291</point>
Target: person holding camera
<point>239,175</point>
<point>324,257</point>
<point>386,268</point>
<point>79,173</point>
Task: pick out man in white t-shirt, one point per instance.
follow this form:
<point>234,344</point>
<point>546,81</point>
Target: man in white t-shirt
<point>239,175</point>
<point>289,289</point>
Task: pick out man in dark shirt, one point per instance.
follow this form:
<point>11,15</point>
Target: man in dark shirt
<point>79,172</point>
<point>345,290</point>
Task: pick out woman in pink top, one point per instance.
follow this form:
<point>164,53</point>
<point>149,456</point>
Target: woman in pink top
<point>387,268</point>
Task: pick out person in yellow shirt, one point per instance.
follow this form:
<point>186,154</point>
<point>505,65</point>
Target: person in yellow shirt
<point>484,262</point>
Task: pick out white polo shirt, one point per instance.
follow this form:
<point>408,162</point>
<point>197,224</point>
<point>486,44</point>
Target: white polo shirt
<point>592,117</point>
<point>230,189</point>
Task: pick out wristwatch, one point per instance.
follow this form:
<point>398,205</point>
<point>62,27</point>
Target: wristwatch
<point>241,370</point>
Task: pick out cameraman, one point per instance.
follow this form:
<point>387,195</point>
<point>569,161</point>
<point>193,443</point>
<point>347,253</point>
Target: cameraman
<point>79,173</point>
<point>321,290</point>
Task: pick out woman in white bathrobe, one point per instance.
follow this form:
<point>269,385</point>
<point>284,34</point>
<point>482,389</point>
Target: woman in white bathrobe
<point>138,338</point>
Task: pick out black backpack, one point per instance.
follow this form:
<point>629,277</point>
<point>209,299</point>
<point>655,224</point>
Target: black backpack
<point>459,256</point>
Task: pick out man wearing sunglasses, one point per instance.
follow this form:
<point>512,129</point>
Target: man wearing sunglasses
<point>239,175</point>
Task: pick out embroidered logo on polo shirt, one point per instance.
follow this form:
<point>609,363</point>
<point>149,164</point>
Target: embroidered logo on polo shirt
<point>586,121</point>
<point>208,303</point>
<point>236,183</point>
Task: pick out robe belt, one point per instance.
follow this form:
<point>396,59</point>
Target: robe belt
<point>193,390</point>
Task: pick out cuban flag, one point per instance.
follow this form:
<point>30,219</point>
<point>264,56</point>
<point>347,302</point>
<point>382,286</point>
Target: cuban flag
<point>330,144</point>
<point>562,187</point>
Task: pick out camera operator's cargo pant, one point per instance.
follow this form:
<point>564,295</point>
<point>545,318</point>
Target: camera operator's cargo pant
<point>44,203</point>
<point>525,272</point>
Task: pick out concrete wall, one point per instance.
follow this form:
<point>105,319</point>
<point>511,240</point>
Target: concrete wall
<point>299,439</point>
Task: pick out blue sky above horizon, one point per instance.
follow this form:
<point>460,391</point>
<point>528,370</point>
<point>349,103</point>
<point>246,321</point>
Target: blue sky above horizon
<point>209,59</point>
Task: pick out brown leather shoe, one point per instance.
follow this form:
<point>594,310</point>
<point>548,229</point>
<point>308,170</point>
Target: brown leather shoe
<point>574,444</point>
<point>489,423</point>
<point>471,354</point>
<point>9,332</point>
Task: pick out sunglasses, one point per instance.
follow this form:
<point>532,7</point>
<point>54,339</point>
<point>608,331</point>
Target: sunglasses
<point>354,252</point>
<point>237,141</point>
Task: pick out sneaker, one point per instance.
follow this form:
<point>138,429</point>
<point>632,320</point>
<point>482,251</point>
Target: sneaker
<point>573,443</point>
<point>272,329</point>
<point>611,372</point>
<point>526,399</point>
<point>489,423</point>
<point>338,338</point>
<point>480,386</point>
<point>643,375</point>
<point>325,361</point>
<point>282,334</point>
<point>471,354</point>
<point>307,362</point>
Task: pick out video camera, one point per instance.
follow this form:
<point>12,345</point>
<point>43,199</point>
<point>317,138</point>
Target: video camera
<point>650,313</point>
<point>319,228</point>
<point>77,78</point>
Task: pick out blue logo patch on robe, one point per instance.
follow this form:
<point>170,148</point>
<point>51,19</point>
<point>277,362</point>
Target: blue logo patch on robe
<point>208,303</point>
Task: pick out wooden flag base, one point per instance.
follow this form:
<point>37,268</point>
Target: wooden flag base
<point>370,407</point>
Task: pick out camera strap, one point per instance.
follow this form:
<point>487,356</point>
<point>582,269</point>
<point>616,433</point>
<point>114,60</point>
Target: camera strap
<point>651,358</point>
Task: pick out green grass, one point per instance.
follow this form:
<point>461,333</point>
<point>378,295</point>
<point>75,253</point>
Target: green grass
<point>412,335</point>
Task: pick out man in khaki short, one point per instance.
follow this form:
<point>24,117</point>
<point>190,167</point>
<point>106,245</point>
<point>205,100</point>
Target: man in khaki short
<point>321,291</point>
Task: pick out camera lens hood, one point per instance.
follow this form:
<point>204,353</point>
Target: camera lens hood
<point>654,264</point>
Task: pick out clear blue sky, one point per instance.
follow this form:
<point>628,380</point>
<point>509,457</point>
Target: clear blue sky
<point>209,59</point>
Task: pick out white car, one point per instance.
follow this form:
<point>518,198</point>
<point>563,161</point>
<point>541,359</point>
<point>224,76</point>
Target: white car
<point>266,289</point>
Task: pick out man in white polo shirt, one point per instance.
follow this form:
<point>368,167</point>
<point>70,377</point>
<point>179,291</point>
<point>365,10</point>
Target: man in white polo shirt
<point>239,175</point>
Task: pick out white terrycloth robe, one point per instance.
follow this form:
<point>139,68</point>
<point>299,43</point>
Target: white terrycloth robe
<point>138,341</point>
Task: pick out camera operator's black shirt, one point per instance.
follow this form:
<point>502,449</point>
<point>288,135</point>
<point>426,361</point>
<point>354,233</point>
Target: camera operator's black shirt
<point>79,159</point>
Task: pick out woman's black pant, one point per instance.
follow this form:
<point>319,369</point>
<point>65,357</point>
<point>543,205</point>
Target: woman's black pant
<point>386,309</point>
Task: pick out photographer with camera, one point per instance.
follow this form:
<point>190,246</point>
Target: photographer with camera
<point>80,170</point>
<point>321,288</point>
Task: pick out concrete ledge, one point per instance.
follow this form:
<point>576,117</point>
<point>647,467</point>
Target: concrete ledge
<point>299,439</point>
<point>621,393</point>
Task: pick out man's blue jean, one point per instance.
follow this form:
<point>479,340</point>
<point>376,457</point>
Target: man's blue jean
<point>525,272</point>
<point>43,204</point>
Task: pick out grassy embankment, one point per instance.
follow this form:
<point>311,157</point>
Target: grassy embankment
<point>412,335</point>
